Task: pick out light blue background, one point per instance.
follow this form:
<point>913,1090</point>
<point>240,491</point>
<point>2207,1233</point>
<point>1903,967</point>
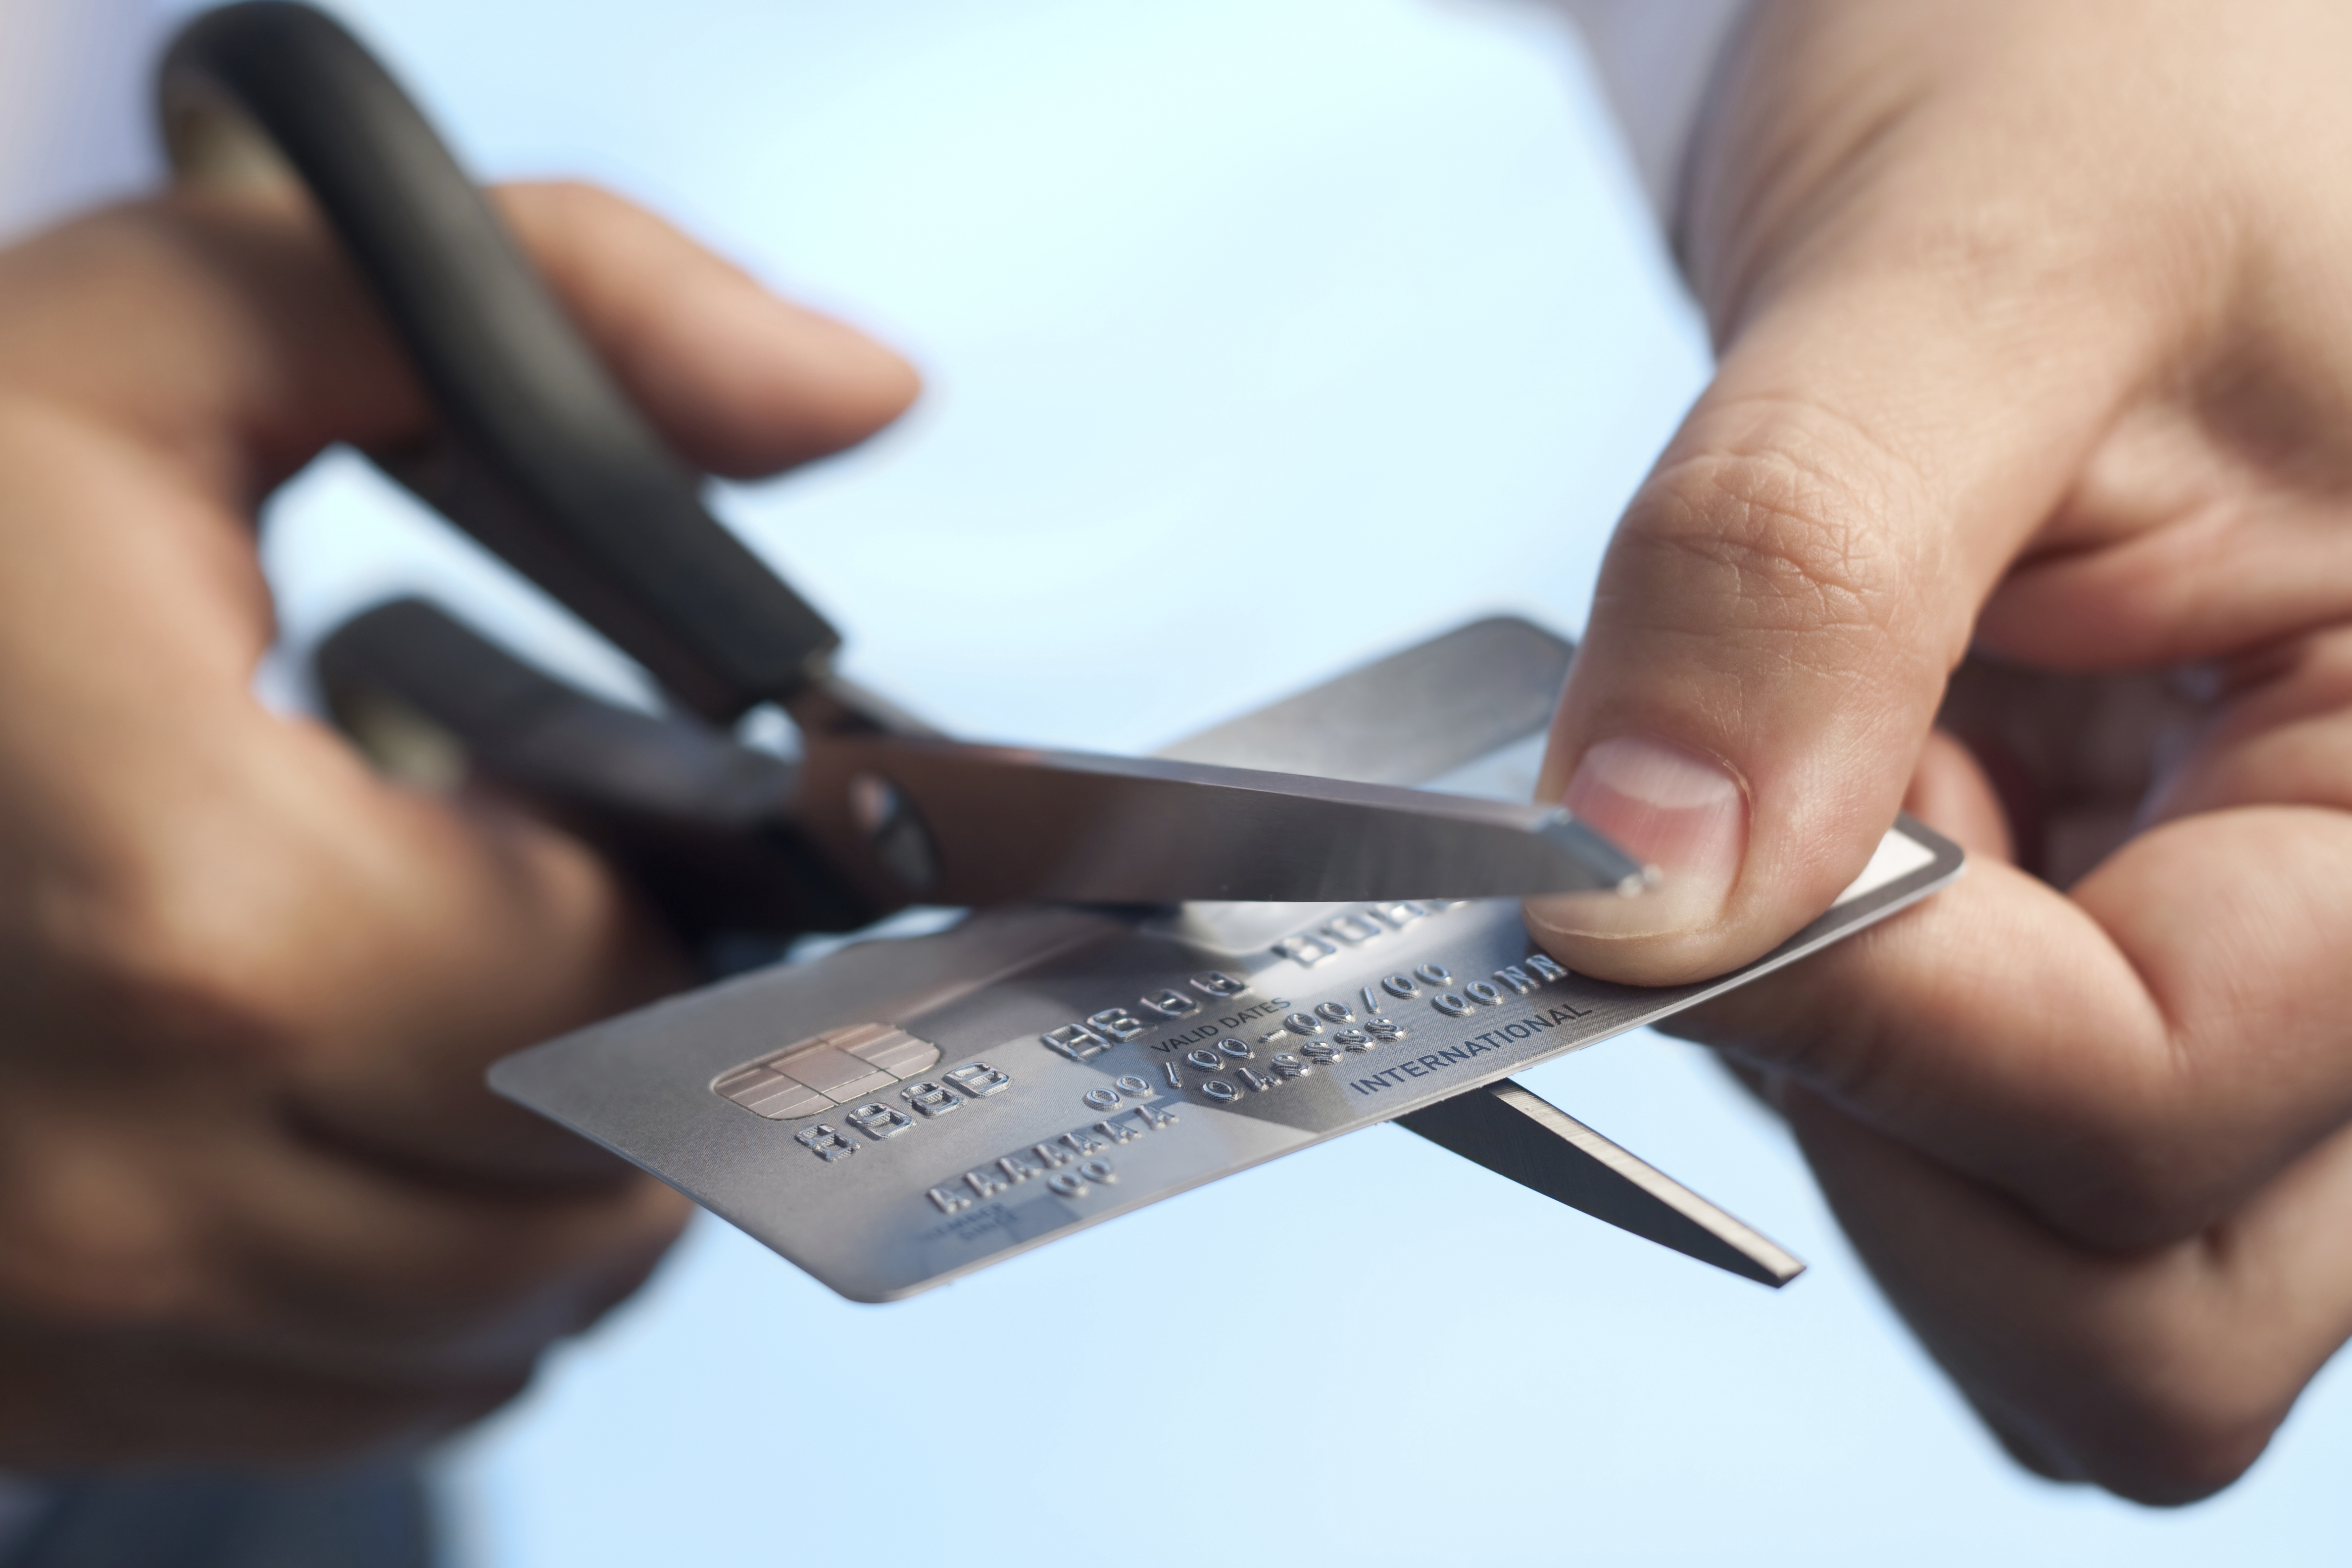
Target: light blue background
<point>1260,336</point>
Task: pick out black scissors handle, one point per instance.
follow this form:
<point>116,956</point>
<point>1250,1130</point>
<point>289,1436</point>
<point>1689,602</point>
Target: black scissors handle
<point>704,827</point>
<point>540,457</point>
<point>539,454</point>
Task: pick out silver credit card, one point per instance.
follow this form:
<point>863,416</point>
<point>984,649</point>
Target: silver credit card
<point>902,1111</point>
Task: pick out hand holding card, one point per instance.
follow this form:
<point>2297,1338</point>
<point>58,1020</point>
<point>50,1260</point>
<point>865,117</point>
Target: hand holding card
<point>2033,368</point>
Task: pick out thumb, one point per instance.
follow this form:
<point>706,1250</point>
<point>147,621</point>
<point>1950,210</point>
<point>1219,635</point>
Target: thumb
<point>1779,608</point>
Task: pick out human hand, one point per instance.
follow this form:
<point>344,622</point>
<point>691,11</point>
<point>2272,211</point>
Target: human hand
<point>255,1201</point>
<point>2036,366</point>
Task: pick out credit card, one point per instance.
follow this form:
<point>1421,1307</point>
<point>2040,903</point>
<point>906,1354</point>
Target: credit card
<point>900,1113</point>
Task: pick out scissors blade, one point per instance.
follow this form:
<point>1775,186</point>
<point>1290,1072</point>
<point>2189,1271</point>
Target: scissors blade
<point>951,823</point>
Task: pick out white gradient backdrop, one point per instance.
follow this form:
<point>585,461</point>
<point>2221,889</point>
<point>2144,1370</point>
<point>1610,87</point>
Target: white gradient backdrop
<point>1261,335</point>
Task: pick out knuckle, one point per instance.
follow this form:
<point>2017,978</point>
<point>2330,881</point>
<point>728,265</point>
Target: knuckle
<point>558,218</point>
<point>2141,1193</point>
<point>1784,542</point>
<point>1776,533</point>
<point>163,961</point>
<point>2187,1417</point>
<point>95,1250</point>
<point>2183,1462</point>
<point>2162,1375</point>
<point>2144,1154</point>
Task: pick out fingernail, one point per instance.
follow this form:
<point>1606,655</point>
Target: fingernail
<point>1682,811</point>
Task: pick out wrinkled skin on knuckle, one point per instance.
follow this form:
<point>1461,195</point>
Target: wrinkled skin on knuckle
<point>1784,538</point>
<point>1759,595</point>
<point>1775,546</point>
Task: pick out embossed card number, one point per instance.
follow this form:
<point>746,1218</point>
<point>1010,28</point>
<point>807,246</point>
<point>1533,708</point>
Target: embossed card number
<point>1117,1026</point>
<point>877,1121</point>
<point>1071,1163</point>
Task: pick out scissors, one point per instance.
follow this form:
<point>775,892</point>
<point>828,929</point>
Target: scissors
<point>539,456</point>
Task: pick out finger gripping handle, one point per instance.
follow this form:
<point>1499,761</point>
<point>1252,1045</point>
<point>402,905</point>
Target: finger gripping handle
<point>699,822</point>
<point>539,456</point>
